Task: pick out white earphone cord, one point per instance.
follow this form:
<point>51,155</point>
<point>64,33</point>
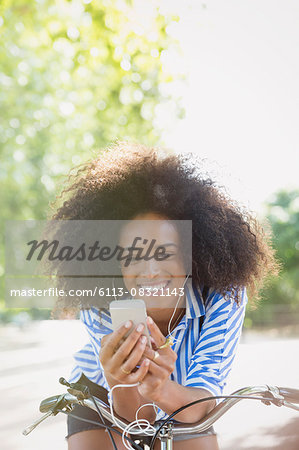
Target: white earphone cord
<point>177,303</point>
<point>135,427</point>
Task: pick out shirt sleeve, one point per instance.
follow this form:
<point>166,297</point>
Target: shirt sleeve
<point>87,359</point>
<point>216,348</point>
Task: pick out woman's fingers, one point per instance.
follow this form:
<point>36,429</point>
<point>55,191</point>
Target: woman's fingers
<point>165,359</point>
<point>158,337</point>
<point>126,347</point>
<point>133,359</point>
<point>120,355</point>
<point>153,343</point>
<point>120,359</point>
<point>155,374</point>
<point>112,341</point>
<point>140,373</point>
<point>149,353</point>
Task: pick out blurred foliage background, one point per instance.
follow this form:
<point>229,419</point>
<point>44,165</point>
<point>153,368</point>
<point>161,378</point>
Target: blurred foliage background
<point>74,76</point>
<point>77,75</point>
<point>279,304</point>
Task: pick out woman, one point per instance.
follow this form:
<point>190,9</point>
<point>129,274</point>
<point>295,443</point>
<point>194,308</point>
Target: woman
<point>149,188</point>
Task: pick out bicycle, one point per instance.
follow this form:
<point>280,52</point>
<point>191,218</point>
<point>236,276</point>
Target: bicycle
<point>165,429</point>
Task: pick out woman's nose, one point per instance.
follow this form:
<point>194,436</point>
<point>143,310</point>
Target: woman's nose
<point>150,269</point>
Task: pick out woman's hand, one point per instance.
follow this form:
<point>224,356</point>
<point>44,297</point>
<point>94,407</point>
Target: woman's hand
<point>120,356</point>
<point>162,364</point>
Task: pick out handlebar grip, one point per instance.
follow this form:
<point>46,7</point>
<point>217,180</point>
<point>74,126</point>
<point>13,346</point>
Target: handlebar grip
<point>290,394</point>
<point>48,403</point>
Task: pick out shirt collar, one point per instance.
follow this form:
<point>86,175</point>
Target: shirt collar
<point>194,301</point>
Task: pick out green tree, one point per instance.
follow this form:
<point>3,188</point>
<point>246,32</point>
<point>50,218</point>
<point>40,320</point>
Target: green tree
<point>74,76</point>
<point>283,215</point>
<point>279,304</point>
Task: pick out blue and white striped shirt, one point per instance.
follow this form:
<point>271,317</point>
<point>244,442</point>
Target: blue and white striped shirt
<point>205,355</point>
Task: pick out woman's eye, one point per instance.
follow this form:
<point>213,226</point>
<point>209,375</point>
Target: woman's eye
<point>169,256</point>
<point>133,260</point>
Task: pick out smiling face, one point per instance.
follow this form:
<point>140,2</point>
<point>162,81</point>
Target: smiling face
<point>156,281</point>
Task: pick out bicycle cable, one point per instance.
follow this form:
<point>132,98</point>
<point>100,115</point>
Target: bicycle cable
<point>102,419</point>
<point>201,400</point>
<point>86,392</point>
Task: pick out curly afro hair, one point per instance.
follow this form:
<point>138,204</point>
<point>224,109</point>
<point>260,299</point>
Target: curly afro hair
<point>230,249</point>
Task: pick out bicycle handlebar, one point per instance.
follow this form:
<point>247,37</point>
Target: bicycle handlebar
<point>280,396</point>
<point>69,399</point>
<point>290,394</point>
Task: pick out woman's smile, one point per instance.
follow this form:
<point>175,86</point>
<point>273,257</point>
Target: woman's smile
<point>154,288</point>
<point>154,280</point>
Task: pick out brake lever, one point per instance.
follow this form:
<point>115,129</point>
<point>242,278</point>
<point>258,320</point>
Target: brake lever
<point>52,411</point>
<point>78,390</point>
<point>37,422</point>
